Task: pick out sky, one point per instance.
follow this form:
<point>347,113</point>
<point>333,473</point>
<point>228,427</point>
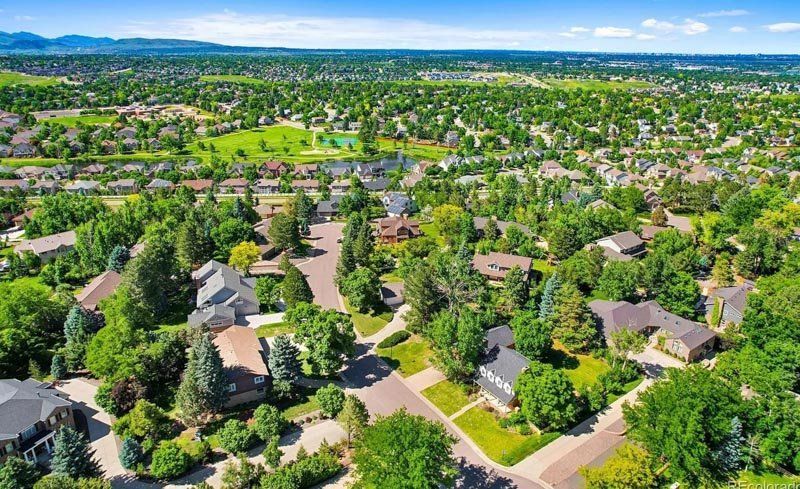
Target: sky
<point>673,26</point>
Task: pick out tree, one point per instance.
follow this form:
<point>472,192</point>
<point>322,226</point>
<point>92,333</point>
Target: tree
<point>458,342</point>
<point>659,216</point>
<point>58,368</point>
<point>204,388</point>
<point>515,289</point>
<point>284,233</point>
<point>405,451</point>
<point>17,473</point>
<point>235,436</point>
<point>625,342</point>
<point>679,294</point>
<point>421,296</point>
<point>574,325</point>
<point>268,423</point>
<point>729,454</point>
<point>268,292</point>
<point>353,417</point>
<point>241,474</point>
<point>447,218</point>
<point>685,419</point>
<point>295,288</point>
<point>363,289</point>
<point>762,252</point>
<point>130,453</point>
<point>145,421</point>
<point>243,256</point>
<point>629,468</point>
<point>619,280</point>
<point>169,461</point>
<point>118,258</point>
<point>330,399</point>
<point>328,335</point>
<point>547,305</point>
<point>547,396</point>
<point>272,453</point>
<point>722,273</point>
<point>283,359</point>
<point>73,456</point>
<point>531,335</point>
<point>54,481</point>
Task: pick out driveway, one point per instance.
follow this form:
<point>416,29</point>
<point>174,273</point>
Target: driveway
<point>320,268</point>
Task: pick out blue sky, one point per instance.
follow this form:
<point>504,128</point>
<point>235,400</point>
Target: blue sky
<point>631,26</point>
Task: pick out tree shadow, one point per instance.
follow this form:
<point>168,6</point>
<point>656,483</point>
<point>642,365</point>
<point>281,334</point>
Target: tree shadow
<point>560,359</point>
<point>473,476</point>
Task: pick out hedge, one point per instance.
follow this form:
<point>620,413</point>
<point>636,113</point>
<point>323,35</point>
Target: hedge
<point>394,339</point>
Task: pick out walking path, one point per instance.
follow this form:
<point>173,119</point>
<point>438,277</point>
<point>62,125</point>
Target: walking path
<point>466,408</point>
<point>422,380</point>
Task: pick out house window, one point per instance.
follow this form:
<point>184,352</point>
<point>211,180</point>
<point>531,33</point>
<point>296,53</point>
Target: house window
<point>52,420</point>
<point>9,447</point>
<point>259,379</point>
<point>494,266</point>
<point>29,432</point>
<point>231,387</point>
<point>676,346</point>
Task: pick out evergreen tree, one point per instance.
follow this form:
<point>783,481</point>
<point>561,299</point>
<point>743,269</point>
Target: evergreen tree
<point>363,245</point>
<point>17,473</point>
<point>490,230</point>
<point>194,243</point>
<point>58,368</point>
<point>723,270</point>
<point>284,232</point>
<point>73,456</point>
<point>421,295</point>
<point>547,306</point>
<point>574,325</point>
<point>118,258</point>
<point>353,417</point>
<point>130,453</point>
<point>347,262</point>
<point>204,388</point>
<point>729,455</point>
<point>515,289</point>
<point>659,217</point>
<point>283,359</point>
<point>272,453</point>
<point>295,288</point>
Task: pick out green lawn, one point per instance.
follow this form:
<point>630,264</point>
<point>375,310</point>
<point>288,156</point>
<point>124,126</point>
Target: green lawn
<point>8,78</point>
<point>597,84</point>
<point>304,404</point>
<point>369,324</point>
<point>765,478</point>
<point>429,229</point>
<point>446,396</point>
<point>232,78</point>
<point>274,329</point>
<point>501,445</point>
<point>414,150</point>
<point>391,278</point>
<point>73,121</point>
<point>582,370</point>
<point>409,357</point>
<point>626,388</point>
<point>543,267</point>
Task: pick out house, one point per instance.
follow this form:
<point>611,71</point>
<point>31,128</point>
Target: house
<point>339,186</point>
<point>396,229</point>
<point>307,170</point>
<point>265,211</point>
<point>19,220</point>
<point>450,161</point>
<point>199,186</point>
<point>98,289</point>
<point>10,185</point>
<point>83,187</point>
<point>159,184</point>
<point>42,187</point>
<point>264,186</point>
<point>500,368</point>
<point>95,169</point>
<point>502,226</point>
<point>48,247</point>
<point>30,172</point>
<point>728,304</point>
<point>329,208</point>
<point>377,185</point>
<point>234,186</point>
<point>31,412</point>
<point>623,246</point>
<point>683,338</point>
<point>398,204</point>
<point>223,295</point>
<point>451,139</point>
<point>245,364</point>
<point>306,185</point>
<point>125,186</point>
<point>649,232</point>
<point>274,168</point>
<point>495,266</point>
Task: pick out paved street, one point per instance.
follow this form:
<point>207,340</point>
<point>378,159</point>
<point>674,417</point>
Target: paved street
<point>320,269</point>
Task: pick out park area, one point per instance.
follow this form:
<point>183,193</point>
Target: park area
<point>8,78</point>
<point>587,84</point>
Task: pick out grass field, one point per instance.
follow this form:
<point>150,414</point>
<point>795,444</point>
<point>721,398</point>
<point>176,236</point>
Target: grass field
<point>429,229</point>
<point>8,78</point>
<point>409,357</point>
<point>501,445</point>
<point>369,324</point>
<point>597,84</point>
<point>414,150</point>
<point>765,478</point>
<point>231,79</point>
<point>446,396</point>
<point>582,370</point>
<point>305,403</point>
<point>83,119</point>
<point>274,329</point>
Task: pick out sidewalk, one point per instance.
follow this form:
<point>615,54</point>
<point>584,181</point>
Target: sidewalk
<point>422,380</point>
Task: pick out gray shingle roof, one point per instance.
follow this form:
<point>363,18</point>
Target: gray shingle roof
<point>23,403</point>
<point>499,371</point>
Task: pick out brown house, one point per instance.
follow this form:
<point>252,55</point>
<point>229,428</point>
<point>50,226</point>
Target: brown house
<point>495,266</point>
<point>244,360</point>
<point>396,229</point>
<point>233,186</point>
<point>199,186</point>
<point>98,289</point>
<point>274,168</point>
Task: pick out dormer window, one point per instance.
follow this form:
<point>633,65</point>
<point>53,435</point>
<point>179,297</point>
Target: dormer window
<point>494,267</point>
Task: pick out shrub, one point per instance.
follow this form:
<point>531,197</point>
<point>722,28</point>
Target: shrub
<point>394,339</point>
<point>236,437</point>
<point>144,421</point>
<point>304,472</point>
<point>169,461</point>
<point>269,422</point>
<point>130,453</point>
<point>330,399</point>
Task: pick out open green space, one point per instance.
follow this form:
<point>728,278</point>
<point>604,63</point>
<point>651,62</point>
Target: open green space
<point>409,357</point>
<point>89,119</point>
<point>369,324</point>
<point>446,396</point>
<point>8,78</point>
<point>573,84</point>
<point>750,477</point>
<point>504,446</point>
<point>232,79</point>
<point>582,370</point>
<point>414,150</point>
<point>304,403</point>
<point>274,329</point>
<point>430,229</point>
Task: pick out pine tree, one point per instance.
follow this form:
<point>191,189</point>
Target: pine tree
<point>272,453</point>
<point>347,262</point>
<point>296,288</point>
<point>515,290</point>
<point>283,362</point>
<point>729,455</point>
<point>421,295</point>
<point>546,307</point>
<point>659,216</point>
<point>353,417</point>
<point>130,453</point>
<point>203,389</point>
<point>17,473</point>
<point>58,368</point>
<point>118,258</point>
<point>363,245</point>
<point>73,456</point>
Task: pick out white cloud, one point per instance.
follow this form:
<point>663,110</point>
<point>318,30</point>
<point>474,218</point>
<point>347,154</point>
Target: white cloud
<point>738,29</point>
<point>726,13</point>
<point>23,18</point>
<point>233,28</point>
<point>616,32</point>
<point>570,35</point>
<point>784,27</point>
<point>689,27</point>
<point>645,37</point>
<point>577,29</point>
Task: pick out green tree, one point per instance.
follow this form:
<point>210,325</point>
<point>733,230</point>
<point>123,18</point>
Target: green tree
<point>130,453</point>
<point>722,273</point>
<point>241,474</point>
<point>421,296</point>
<point>17,473</point>
<point>458,342</point>
<point>547,396</point>
<point>574,325</point>
<point>204,388</point>
<point>235,436</point>
<point>58,368</point>
<point>268,292</point>
<point>295,288</point>
<point>328,335</point>
<point>405,451</point>
<point>330,399</point>
<point>169,461</point>
<point>284,232</point>
<point>118,258</point>
<point>268,423</point>
<point>547,305</point>
<point>243,256</point>
<point>145,421</point>
<point>659,216</point>
<point>762,252</point>
<point>73,456</point>
<point>532,336</point>
<point>283,359</point>
<point>619,280</point>
<point>625,342</point>
<point>363,289</point>
<point>629,468</point>
<point>515,289</point>
<point>272,453</point>
<point>353,417</point>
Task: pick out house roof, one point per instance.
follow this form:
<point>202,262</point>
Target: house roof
<point>98,289</point>
<point>735,297</point>
<point>23,403</point>
<point>234,182</point>
<point>501,335</point>
<point>198,185</point>
<point>241,352</point>
<point>480,224</point>
<point>391,226</point>
<point>503,261</point>
<point>215,312</point>
<point>216,278</point>
<point>499,371</point>
<point>625,240</point>
<point>47,243</point>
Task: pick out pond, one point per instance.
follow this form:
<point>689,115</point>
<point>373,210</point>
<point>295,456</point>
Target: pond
<point>341,142</point>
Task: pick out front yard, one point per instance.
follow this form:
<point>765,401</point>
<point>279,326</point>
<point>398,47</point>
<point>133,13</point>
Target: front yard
<point>409,357</point>
<point>274,329</point>
<point>447,396</point>
<point>502,445</point>
<point>369,324</point>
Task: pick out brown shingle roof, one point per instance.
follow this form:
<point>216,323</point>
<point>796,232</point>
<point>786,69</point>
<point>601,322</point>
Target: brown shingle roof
<point>496,265</point>
<point>98,289</point>
<point>241,352</point>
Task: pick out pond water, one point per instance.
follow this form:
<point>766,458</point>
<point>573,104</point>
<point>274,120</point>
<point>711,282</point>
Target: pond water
<point>340,142</point>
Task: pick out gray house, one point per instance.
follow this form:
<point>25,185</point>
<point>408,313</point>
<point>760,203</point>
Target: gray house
<point>223,295</point>
<point>500,368</point>
<point>731,303</point>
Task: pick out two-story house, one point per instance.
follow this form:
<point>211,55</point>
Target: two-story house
<point>223,295</point>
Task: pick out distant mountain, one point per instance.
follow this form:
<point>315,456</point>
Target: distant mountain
<point>26,42</point>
